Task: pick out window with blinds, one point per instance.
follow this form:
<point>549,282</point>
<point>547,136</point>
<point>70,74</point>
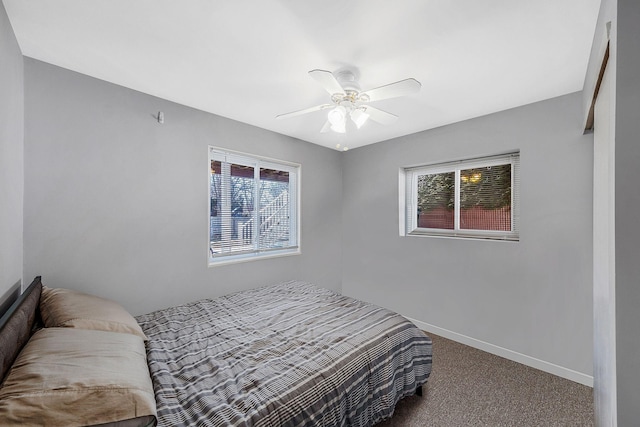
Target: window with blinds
<point>477,198</point>
<point>253,207</point>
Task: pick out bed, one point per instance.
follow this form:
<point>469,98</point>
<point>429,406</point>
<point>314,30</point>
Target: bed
<point>291,354</point>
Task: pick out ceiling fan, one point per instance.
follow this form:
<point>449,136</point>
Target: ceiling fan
<point>348,102</point>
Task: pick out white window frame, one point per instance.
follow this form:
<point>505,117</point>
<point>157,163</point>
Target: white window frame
<point>408,192</point>
<point>294,169</point>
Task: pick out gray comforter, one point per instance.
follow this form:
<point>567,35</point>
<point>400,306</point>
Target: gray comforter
<point>291,354</point>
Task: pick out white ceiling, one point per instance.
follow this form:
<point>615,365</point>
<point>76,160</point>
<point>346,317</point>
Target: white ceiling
<point>248,59</point>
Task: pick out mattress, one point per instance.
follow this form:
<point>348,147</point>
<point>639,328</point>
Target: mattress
<point>291,354</point>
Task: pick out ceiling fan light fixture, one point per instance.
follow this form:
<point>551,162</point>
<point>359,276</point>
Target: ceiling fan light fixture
<point>339,127</point>
<point>359,117</point>
<point>337,116</point>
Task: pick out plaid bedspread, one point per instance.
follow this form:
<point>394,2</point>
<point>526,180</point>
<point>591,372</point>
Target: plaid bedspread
<point>291,354</point>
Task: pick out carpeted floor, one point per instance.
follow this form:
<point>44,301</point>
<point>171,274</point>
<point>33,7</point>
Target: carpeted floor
<point>469,387</point>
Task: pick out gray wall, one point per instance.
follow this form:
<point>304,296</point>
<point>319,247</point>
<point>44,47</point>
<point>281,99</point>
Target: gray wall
<point>11,155</point>
<point>116,204</point>
<point>534,296</point>
<point>627,205</point>
<point>604,331</point>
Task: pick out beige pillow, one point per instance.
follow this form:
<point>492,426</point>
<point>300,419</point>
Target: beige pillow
<point>77,377</point>
<point>71,309</point>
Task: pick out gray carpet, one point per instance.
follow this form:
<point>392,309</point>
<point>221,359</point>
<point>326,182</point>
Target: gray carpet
<point>469,387</point>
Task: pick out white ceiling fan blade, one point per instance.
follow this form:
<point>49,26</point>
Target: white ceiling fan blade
<point>326,128</point>
<point>392,90</point>
<point>380,116</point>
<point>305,111</point>
<point>327,80</point>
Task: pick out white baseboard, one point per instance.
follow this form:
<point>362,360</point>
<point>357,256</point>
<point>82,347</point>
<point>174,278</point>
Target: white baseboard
<point>551,368</point>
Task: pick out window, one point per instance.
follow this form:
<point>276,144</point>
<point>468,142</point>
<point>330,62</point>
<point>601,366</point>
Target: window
<point>471,198</point>
<point>253,207</point>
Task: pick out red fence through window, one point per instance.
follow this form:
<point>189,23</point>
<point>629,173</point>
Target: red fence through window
<point>475,218</point>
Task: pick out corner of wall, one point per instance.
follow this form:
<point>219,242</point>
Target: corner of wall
<point>11,155</point>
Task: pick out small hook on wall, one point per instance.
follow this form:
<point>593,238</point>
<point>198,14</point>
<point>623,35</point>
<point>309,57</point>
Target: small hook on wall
<point>160,117</point>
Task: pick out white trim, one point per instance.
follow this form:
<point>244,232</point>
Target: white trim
<point>456,202</point>
<point>461,236</point>
<point>604,250</point>
<point>411,197</point>
<point>252,256</point>
<point>243,157</point>
<point>402,208</point>
<point>542,365</point>
<point>227,157</point>
<point>476,162</point>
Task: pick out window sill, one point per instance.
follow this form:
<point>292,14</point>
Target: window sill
<point>234,259</point>
<point>466,236</point>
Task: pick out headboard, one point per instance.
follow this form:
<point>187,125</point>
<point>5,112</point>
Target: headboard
<point>10,297</point>
<point>17,324</point>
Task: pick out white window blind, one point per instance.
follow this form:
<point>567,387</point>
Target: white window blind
<point>253,206</point>
<point>477,198</point>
